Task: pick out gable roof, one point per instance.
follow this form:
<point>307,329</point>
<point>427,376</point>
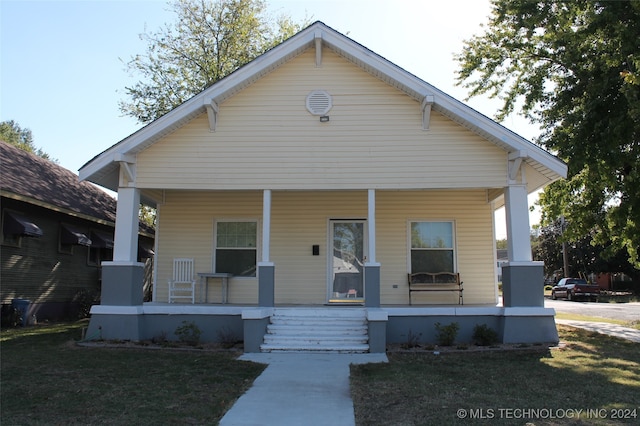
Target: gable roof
<point>27,177</point>
<point>104,168</point>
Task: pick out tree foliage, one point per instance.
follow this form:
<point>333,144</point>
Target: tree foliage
<point>583,255</point>
<point>13,134</point>
<point>209,40</point>
<point>574,68</point>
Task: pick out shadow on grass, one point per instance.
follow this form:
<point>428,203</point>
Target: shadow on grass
<point>589,372</point>
<point>48,379</point>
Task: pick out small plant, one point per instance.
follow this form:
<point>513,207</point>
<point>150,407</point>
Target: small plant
<point>483,335</point>
<point>188,333</point>
<point>413,340</point>
<point>446,335</point>
<point>227,337</point>
<point>160,338</point>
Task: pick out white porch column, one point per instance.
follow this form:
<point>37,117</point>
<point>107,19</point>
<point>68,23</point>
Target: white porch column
<point>266,268</point>
<point>266,225</point>
<point>517,215</point>
<point>522,278</point>
<point>371,267</point>
<point>371,223</point>
<point>126,235</point>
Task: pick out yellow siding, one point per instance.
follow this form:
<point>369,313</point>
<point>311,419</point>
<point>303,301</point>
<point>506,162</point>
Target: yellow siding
<point>265,138</point>
<point>301,219</point>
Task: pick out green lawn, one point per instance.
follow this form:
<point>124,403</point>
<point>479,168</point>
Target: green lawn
<point>46,379</point>
<point>539,387</point>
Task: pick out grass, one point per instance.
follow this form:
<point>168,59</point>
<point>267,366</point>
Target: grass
<point>578,317</point>
<point>47,379</point>
<point>591,372</point>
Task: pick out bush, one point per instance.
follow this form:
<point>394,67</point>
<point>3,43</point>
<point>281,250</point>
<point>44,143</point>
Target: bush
<point>413,340</point>
<point>446,335</point>
<point>484,335</point>
<point>188,333</point>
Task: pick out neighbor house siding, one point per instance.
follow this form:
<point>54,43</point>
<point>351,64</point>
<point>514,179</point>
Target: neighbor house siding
<point>39,272</point>
<point>265,137</point>
<point>300,219</point>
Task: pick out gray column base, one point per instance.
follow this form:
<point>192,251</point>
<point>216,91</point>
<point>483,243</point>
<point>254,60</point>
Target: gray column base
<point>122,283</point>
<point>126,326</point>
<point>523,284</point>
<point>372,285</point>
<point>377,320</point>
<point>266,284</point>
<point>255,327</point>
<point>529,329</point>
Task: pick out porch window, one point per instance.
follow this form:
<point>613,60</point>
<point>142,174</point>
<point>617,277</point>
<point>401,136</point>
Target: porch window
<point>236,248</point>
<point>432,248</point>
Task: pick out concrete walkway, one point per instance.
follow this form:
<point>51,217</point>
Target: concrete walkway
<point>313,389</point>
<point>299,389</point>
<point>605,328</point>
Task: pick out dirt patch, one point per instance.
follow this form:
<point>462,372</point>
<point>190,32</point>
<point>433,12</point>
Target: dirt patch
<point>437,350</point>
<point>237,348</point>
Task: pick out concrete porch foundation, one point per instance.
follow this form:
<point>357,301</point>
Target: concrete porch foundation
<point>385,325</point>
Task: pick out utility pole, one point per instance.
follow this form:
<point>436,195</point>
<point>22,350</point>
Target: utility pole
<point>565,258</point>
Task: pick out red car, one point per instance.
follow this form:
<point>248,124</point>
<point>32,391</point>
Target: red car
<point>574,289</point>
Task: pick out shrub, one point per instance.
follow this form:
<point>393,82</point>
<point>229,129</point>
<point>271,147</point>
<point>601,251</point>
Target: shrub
<point>227,337</point>
<point>484,335</point>
<point>188,333</point>
<point>413,340</point>
<point>446,335</point>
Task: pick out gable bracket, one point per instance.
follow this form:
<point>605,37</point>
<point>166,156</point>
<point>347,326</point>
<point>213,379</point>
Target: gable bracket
<point>317,37</point>
<point>426,111</point>
<point>212,114</point>
<point>515,162</point>
<point>127,168</point>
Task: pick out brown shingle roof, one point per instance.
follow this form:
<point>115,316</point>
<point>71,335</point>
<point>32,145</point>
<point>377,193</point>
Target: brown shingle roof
<point>27,175</point>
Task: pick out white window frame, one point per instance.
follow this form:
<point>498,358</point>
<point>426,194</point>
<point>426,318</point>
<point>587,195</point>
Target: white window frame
<point>454,239</point>
<point>215,241</point>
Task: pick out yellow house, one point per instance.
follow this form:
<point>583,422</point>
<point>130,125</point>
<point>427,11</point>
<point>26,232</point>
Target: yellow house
<point>310,184</point>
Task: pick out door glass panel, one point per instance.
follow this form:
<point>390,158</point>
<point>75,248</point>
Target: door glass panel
<point>347,271</point>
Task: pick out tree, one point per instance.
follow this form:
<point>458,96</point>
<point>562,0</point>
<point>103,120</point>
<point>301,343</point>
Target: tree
<point>583,255</point>
<point>209,40</point>
<point>13,134</point>
<point>574,68</point>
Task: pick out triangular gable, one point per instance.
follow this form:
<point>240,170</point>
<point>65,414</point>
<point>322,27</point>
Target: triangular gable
<point>104,168</point>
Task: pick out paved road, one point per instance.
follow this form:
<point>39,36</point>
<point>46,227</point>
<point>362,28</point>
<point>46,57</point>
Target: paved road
<point>619,311</point>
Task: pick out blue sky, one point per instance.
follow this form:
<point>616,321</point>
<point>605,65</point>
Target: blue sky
<point>62,62</point>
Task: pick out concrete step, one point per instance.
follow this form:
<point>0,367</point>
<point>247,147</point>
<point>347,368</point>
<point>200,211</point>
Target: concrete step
<point>315,339</point>
<point>319,322</point>
<point>333,329</point>
<point>317,330</point>
<point>352,348</point>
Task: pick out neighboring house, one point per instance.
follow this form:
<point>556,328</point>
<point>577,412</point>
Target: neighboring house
<point>322,174</point>
<point>56,231</point>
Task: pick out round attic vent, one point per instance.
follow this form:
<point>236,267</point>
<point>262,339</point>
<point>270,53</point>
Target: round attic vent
<point>319,102</point>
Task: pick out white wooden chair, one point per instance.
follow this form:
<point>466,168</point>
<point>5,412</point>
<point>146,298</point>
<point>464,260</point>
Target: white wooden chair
<point>183,284</point>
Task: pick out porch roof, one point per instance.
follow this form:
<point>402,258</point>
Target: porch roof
<point>104,168</point>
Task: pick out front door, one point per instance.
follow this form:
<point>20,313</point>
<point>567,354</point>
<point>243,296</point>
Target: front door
<point>346,266</point>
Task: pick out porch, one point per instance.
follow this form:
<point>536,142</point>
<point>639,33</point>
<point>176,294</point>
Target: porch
<point>321,328</point>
